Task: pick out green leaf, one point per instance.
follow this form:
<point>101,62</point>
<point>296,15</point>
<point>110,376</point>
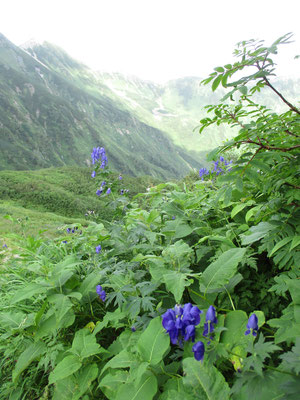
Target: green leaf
<point>84,344</point>
<point>65,368</point>
<point>252,211</point>
<point>176,283</point>
<point>122,360</point>
<point>243,90</point>
<point>218,274</point>
<point>239,207</point>
<point>154,342</point>
<point>279,245</point>
<point>295,242</point>
<point>85,377</point>
<point>112,382</point>
<point>219,69</point>
<point>257,232</point>
<point>34,351</point>
<point>205,380</point>
<point>29,291</point>
<point>216,82</point>
<point>144,390</point>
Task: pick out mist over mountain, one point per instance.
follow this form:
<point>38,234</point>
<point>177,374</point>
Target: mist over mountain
<point>54,110</point>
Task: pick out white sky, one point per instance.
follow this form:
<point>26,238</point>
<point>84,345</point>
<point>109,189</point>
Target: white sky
<point>154,39</point>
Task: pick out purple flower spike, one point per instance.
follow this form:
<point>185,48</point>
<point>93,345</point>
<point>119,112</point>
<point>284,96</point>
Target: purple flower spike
<point>108,191</point>
<point>252,325</point>
<point>98,248</point>
<point>100,292</point>
<point>198,350</point>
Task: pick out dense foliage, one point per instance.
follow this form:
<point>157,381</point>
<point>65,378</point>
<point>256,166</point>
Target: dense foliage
<point>191,292</point>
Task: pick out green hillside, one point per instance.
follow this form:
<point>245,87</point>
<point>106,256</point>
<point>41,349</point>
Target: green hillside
<point>50,118</point>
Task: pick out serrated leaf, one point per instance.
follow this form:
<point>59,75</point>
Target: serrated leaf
<point>176,282</point>
<point>154,342</point>
<point>34,351</point>
<point>204,380</point>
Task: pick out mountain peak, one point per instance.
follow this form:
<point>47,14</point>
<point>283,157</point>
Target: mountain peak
<point>29,44</point>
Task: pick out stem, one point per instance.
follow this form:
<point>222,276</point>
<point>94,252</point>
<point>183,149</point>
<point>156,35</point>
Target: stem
<point>232,305</point>
<point>280,95</point>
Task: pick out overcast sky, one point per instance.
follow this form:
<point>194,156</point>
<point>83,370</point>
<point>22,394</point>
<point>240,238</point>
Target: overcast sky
<point>154,39</point>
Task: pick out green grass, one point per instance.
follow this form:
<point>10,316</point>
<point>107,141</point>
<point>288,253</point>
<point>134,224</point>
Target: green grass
<point>49,199</point>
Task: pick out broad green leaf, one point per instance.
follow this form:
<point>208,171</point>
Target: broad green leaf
<point>112,382</point>
<point>219,273</point>
<point>279,245</point>
<point>65,389</point>
<point>65,368</point>
<point>84,344</point>
<point>176,283</point>
<point>122,360</point>
<point>257,232</point>
<point>253,211</point>
<point>16,320</point>
<point>62,305</point>
<point>154,342</point>
<point>85,377</point>
<point>34,351</point>
<point>206,382</point>
<point>29,291</point>
<point>145,390</point>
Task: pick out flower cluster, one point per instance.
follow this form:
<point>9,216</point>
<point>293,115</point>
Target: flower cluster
<point>72,230</point>
<point>180,322</point>
<point>97,153</point>
<point>100,292</point>
<point>252,325</point>
<point>220,166</point>
<point>98,248</point>
<point>101,189</point>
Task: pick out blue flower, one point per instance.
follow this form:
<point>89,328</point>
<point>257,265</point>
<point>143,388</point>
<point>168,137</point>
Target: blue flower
<point>98,248</point>
<point>210,320</point>
<point>133,329</point>
<point>4,246</point>
<point>99,192</point>
<point>122,191</point>
<point>203,172</point>
<point>100,292</point>
<point>108,191</point>
<point>120,177</point>
<point>222,159</point>
<point>93,174</point>
<point>198,350</point>
<point>64,241</point>
<point>68,230</point>
<point>180,322</point>
<point>252,325</point>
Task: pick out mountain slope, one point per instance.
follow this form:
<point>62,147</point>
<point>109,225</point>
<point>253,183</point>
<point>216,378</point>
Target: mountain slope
<point>51,117</point>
